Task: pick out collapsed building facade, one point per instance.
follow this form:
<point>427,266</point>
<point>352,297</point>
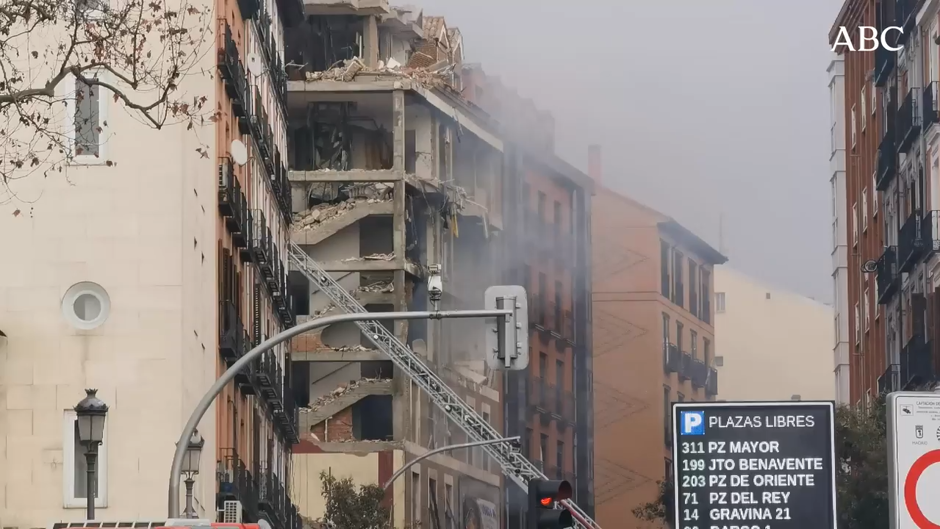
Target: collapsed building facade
<point>394,171</point>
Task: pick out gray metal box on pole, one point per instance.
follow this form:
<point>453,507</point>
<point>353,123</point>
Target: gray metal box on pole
<point>507,338</point>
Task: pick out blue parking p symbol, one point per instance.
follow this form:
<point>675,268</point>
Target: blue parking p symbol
<point>693,422</point>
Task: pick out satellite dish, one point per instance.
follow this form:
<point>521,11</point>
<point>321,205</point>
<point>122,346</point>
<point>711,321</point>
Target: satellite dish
<point>254,64</point>
<point>870,266</point>
<point>239,152</point>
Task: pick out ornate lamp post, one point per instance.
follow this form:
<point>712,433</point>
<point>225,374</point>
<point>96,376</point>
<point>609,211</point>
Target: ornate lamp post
<point>91,414</point>
<point>190,469</point>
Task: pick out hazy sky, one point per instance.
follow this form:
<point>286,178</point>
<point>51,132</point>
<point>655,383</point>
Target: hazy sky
<point>702,107</point>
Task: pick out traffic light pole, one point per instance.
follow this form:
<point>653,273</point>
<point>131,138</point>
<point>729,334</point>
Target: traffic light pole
<point>176,470</point>
<point>448,448</point>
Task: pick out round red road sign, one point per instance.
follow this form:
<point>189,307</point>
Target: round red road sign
<point>910,489</point>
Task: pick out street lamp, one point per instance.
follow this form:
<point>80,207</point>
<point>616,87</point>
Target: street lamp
<point>191,468</point>
<point>90,414</point>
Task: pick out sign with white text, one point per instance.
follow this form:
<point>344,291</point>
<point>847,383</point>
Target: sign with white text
<point>913,454</point>
<point>754,465</point>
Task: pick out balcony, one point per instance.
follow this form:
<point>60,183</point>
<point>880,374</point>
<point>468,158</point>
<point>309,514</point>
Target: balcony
<point>249,8</point>
<point>685,366</point>
<point>269,380</point>
<point>536,311</point>
<point>890,380</point>
<point>915,239</point>
<point>260,239</point>
<point>232,71</point>
<point>243,379</point>
<point>272,497</point>
<point>229,189</point>
<point>281,185</point>
<point>234,482</point>
<point>905,16</point>
<point>288,419</point>
<point>887,274</point>
<point>928,105</point>
<point>231,333</point>
<point>711,383</point>
<point>699,373</point>
<point>909,119</point>
<point>672,358</point>
<point>916,363</point>
<point>887,158</point>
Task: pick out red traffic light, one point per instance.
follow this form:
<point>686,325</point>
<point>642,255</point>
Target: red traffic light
<point>543,494</point>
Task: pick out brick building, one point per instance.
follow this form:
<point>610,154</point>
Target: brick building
<point>654,343</point>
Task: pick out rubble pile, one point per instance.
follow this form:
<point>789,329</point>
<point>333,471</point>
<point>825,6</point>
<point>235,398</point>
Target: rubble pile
<point>372,257</point>
<point>380,287</point>
<point>340,391</point>
<point>347,70</point>
<point>365,194</point>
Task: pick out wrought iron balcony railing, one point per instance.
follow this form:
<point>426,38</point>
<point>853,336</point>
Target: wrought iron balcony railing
<point>890,380</point>
<point>887,274</point>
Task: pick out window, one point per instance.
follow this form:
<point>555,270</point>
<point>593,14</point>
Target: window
<point>678,292</point>
<point>450,521</point>
<point>557,219</point>
<point>866,311</point>
<point>75,468</point>
<point>543,448</point>
<point>527,443</point>
<point>86,115</point>
<point>664,252</point>
<point>707,350</point>
<point>432,499</point>
<point>874,195</point>
<point>665,329</point>
<point>541,206</point>
<point>855,223</point>
<point>86,305</point>
<point>719,361</point>
<point>543,365</point>
<point>874,98</point>
<point>680,397</point>
<point>693,336</point>
<point>415,498</point>
<point>933,61</point>
<point>719,302</point>
<point>559,375</point>
<point>667,417</point>
<point>706,298</point>
<point>852,124</point>
<point>858,326</point>
<point>693,288</point>
<point>838,332</point>
<point>862,101</point>
<point>865,209</point>
<point>560,456</point>
<point>679,329</point>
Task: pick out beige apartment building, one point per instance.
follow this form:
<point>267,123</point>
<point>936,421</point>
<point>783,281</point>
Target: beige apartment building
<point>765,329</point>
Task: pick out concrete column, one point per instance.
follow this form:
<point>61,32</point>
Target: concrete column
<point>398,131</point>
<point>370,41</point>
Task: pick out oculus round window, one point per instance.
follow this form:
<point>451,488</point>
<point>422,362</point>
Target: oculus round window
<point>86,305</point>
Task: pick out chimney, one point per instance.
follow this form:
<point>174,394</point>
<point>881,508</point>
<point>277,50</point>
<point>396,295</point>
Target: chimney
<point>594,162</point>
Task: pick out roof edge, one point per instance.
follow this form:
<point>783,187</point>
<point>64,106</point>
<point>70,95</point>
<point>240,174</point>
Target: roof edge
<point>685,236</point>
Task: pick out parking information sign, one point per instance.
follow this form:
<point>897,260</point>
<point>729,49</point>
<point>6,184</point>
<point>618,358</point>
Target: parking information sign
<point>754,465</point>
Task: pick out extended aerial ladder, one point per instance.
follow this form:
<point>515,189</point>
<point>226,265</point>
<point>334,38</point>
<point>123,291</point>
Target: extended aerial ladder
<point>514,465</point>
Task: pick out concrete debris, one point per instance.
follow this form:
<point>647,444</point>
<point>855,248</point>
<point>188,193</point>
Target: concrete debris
<point>381,287</point>
<point>326,211</point>
<point>373,257</point>
<point>350,68</point>
<point>330,306</point>
<point>339,392</point>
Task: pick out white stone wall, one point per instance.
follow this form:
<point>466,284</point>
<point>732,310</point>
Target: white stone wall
<point>144,230</point>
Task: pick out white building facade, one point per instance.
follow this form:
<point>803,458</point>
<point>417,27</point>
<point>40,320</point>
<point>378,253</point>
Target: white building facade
<point>841,313</point>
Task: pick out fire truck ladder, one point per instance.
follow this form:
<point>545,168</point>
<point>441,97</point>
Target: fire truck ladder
<point>514,465</point>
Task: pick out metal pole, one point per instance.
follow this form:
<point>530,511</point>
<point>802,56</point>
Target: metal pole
<point>176,470</point>
<point>190,511</point>
<point>409,464</point>
<point>91,458</point>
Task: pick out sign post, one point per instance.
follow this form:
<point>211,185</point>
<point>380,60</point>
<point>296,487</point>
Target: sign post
<point>764,465</point>
<point>913,452</point>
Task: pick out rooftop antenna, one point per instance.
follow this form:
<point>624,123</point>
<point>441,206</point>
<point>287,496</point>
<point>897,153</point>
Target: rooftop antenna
<point>721,235</point>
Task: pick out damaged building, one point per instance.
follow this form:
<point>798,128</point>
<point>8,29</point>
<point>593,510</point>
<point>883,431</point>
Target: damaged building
<point>394,172</point>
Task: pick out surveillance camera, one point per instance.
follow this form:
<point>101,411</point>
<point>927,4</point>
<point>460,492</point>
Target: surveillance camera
<point>435,282</point>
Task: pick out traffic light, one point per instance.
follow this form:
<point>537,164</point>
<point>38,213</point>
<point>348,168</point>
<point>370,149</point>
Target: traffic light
<point>507,338</point>
<point>541,514</point>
